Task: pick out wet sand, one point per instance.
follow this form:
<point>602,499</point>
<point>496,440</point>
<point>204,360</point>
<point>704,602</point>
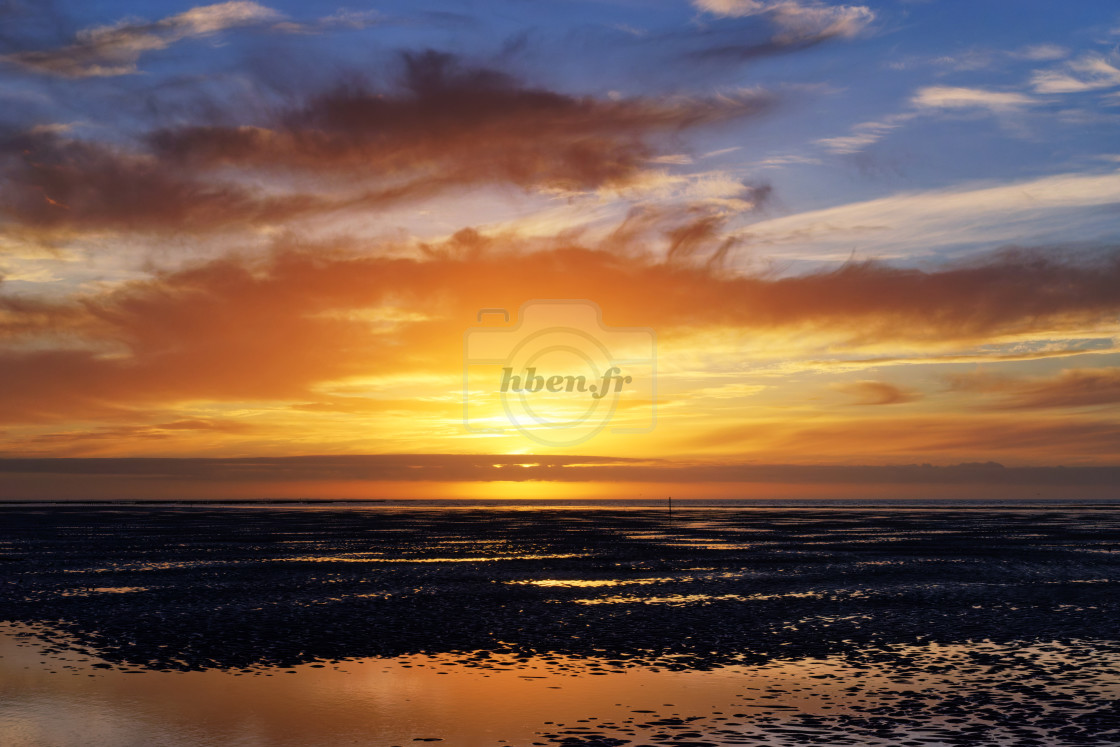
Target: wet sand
<point>206,625</point>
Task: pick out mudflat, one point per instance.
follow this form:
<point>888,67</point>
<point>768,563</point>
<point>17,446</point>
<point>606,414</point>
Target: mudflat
<point>857,625</point>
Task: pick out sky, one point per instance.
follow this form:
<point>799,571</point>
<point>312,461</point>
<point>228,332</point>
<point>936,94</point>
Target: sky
<point>838,249</point>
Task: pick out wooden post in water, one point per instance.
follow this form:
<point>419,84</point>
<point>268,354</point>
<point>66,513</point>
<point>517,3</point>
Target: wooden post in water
<point>670,509</point>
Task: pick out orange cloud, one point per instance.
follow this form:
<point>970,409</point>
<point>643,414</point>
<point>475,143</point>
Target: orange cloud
<point>876,393</point>
<point>129,433</point>
<point>1083,387</point>
<point>952,436</point>
<point>274,328</point>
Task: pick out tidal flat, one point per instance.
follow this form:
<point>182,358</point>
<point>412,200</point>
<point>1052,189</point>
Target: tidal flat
<point>603,625</point>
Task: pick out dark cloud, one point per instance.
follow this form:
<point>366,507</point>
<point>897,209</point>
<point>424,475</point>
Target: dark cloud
<point>468,467</point>
<point>471,124</point>
<point>52,183</point>
<point>446,126</point>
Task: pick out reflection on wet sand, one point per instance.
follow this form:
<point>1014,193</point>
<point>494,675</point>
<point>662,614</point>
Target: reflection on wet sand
<point>671,599</point>
<point>934,695</point>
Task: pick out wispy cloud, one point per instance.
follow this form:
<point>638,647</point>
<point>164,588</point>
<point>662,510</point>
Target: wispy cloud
<point>864,134</point>
<point>952,97</point>
<point>1041,52</point>
<point>981,58</point>
<point>926,101</point>
<point>797,21</point>
<point>342,19</point>
<point>797,25</point>
<point>923,222</point>
<point>1091,72</point>
<point>116,49</point>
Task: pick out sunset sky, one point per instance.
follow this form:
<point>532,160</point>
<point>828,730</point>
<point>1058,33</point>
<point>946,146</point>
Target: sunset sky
<point>863,236</point>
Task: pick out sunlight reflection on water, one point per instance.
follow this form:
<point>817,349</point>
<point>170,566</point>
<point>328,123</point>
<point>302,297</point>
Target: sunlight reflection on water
<point>474,699</point>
